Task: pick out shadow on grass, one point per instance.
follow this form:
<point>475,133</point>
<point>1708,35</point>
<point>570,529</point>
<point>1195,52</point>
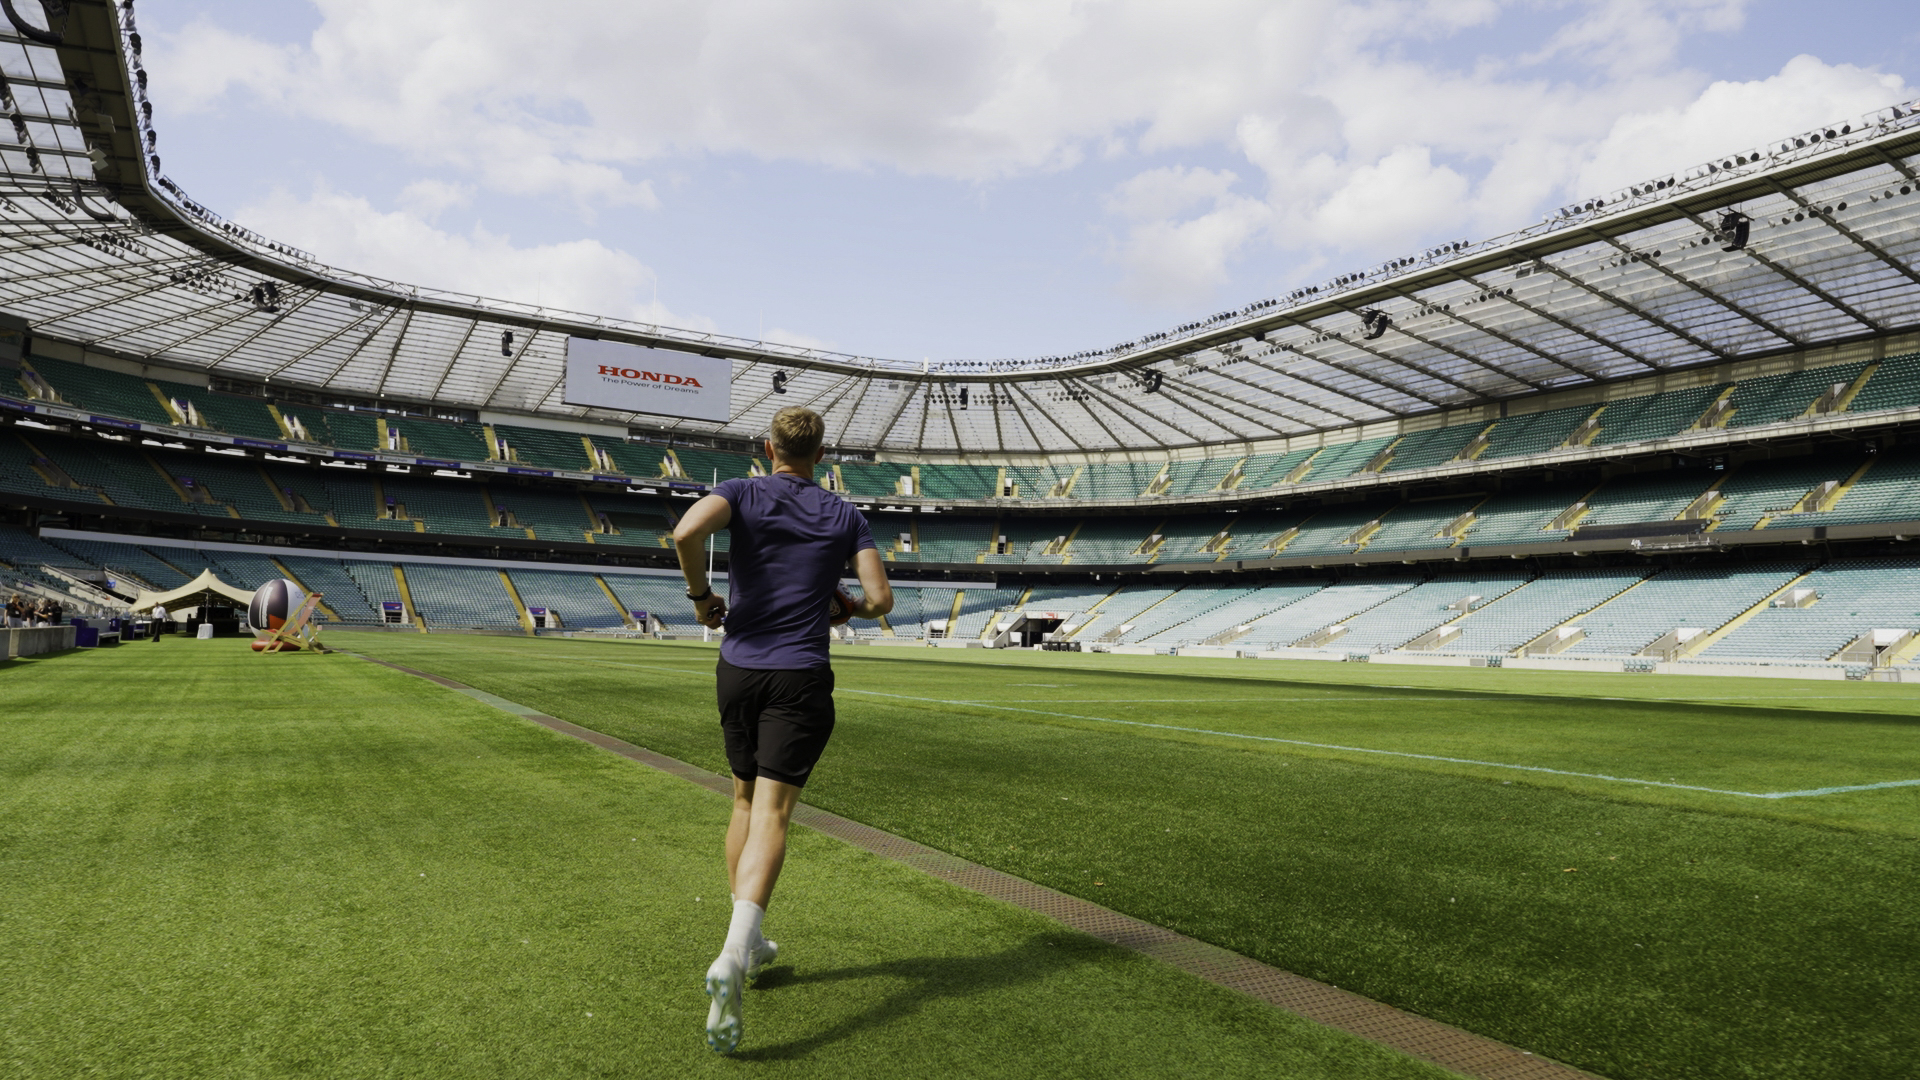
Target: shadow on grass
<point>930,979</point>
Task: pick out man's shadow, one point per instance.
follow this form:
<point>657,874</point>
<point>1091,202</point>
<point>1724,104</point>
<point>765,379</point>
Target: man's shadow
<point>933,978</point>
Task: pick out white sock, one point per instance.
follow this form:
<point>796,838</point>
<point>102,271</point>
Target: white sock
<point>744,932</point>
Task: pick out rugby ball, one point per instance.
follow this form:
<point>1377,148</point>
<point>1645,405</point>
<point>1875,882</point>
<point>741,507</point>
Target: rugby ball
<point>273,604</point>
<point>839,607</point>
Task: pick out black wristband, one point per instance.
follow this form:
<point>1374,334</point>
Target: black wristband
<point>703,596</point>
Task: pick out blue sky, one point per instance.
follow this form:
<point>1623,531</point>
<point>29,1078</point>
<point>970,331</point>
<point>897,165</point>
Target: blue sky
<point>960,180</point>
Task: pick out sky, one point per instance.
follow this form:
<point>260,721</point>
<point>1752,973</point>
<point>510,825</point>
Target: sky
<point>961,180</point>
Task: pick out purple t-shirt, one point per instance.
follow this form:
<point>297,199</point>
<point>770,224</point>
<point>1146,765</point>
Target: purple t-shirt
<point>788,541</point>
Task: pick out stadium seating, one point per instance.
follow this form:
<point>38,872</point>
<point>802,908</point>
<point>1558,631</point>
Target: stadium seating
<point>552,515</point>
<point>1319,611</point>
<point>348,430</point>
<point>1121,609</point>
<point>1412,613</point>
<point>1646,497</point>
<point>454,506</point>
<point>977,607</point>
<point>1890,491</point>
<point>1702,598</point>
<point>1761,490</point>
<point>1262,471</point>
<point>19,472</point>
<point>703,465</point>
<point>1185,536</point>
<point>575,597</point>
<point>1255,532</point>
<point>664,598</point>
<point>1197,477</point>
<point>1112,480</point>
<point>1181,607</point>
<point>1895,384</point>
<point>1522,516</point>
<point>440,439</point>
<point>1437,446</point>
<point>1416,526</point>
<point>1026,540</point>
<point>1331,529</point>
<point>146,568</point>
<point>109,393</point>
<point>1535,607</point>
<point>641,520</point>
<point>460,597</point>
<point>1342,461</point>
<point>1770,399</point>
<point>915,609</point>
<point>119,470</point>
<point>1855,596</point>
<point>959,481</point>
<point>1224,619</point>
<point>244,416</point>
<point>246,570</point>
<point>1654,416</point>
<point>1533,433</point>
<point>876,480</point>
<point>547,449</point>
<point>1105,541</point>
<point>231,480</point>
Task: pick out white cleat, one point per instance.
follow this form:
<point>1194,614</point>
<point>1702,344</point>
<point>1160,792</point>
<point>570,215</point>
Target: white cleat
<point>760,956</point>
<point>726,978</point>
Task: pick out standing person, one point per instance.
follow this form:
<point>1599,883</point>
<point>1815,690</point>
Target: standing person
<point>159,617</point>
<point>16,611</point>
<point>789,539</point>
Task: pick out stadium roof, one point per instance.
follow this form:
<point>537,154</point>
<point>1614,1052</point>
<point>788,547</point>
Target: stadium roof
<point>98,247</point>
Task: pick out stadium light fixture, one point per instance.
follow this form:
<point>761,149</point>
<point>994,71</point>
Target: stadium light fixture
<point>1734,229</point>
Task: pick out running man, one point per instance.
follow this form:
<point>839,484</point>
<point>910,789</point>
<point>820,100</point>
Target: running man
<point>789,541</point>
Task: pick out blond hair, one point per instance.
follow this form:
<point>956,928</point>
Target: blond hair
<point>797,433</point>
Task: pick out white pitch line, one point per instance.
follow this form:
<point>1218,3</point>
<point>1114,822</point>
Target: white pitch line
<point>1321,746</point>
<point>1403,753</point>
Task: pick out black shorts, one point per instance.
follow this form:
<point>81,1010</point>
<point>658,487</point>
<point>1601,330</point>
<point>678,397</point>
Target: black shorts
<point>776,723</point>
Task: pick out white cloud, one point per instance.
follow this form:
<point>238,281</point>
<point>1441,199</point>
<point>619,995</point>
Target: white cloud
<point>1733,117</point>
<point>429,198</point>
<point>1362,136</point>
<point>578,275</point>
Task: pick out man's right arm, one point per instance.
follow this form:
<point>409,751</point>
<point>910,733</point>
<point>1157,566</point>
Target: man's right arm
<point>702,519</point>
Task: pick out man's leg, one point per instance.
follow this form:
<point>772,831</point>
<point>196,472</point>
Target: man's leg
<point>764,848</point>
<point>737,831</point>
<point>756,848</point>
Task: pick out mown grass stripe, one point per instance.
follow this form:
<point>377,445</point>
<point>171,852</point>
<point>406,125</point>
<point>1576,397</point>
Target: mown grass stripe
<point>1417,1036</point>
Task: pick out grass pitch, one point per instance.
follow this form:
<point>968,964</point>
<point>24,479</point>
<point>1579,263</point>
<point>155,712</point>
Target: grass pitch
<point>218,864</point>
<point>1716,927</point>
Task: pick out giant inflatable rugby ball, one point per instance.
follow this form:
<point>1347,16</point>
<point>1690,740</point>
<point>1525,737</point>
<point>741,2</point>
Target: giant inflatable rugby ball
<point>274,604</point>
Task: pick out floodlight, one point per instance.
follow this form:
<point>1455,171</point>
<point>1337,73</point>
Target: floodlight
<point>1734,228</point>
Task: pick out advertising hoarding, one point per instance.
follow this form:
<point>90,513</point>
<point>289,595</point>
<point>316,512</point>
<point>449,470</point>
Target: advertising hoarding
<point>634,378</point>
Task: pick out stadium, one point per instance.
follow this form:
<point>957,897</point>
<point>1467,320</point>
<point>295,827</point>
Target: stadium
<point>1490,661</point>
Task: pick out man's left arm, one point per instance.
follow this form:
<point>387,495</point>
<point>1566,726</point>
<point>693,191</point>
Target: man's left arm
<point>876,594</point>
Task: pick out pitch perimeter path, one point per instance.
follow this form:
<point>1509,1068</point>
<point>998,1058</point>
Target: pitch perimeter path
<point>217,864</point>
<point>1635,931</point>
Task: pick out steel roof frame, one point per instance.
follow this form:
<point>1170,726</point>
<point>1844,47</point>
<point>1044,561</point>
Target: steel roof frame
<point>1657,315</point>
